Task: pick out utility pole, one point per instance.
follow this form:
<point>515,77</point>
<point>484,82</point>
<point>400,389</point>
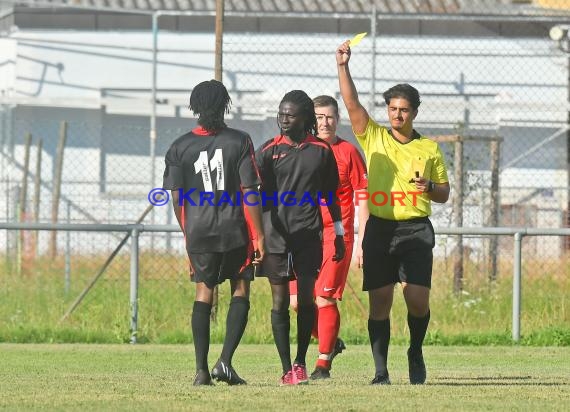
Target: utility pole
<point>218,70</point>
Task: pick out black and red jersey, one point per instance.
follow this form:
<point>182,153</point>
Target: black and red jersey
<point>211,168</point>
<point>296,179</point>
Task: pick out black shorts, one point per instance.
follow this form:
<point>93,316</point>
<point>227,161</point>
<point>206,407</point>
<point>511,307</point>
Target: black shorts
<point>215,268</point>
<point>303,258</point>
<point>397,251</point>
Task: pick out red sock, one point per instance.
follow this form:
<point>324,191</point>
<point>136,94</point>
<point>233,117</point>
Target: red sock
<point>329,324</point>
<point>322,363</point>
<point>315,331</point>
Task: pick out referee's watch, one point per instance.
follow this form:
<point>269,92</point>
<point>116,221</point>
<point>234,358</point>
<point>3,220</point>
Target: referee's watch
<point>431,187</point>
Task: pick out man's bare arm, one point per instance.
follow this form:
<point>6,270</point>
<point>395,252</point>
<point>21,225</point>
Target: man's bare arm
<point>255,214</point>
<point>356,112</point>
<point>177,208</point>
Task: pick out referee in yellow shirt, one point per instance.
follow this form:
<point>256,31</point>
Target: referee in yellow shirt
<point>406,172</point>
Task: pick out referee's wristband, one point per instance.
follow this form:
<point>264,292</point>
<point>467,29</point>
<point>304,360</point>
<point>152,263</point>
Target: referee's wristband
<point>338,228</point>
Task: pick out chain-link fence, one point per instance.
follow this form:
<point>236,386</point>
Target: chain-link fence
<point>497,103</point>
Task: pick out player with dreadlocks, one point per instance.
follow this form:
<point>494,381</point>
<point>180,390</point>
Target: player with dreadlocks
<point>299,173</point>
<point>217,161</point>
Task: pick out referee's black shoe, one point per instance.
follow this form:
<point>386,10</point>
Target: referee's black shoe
<point>381,379</point>
<point>416,368</point>
<point>223,372</point>
<point>203,378</point>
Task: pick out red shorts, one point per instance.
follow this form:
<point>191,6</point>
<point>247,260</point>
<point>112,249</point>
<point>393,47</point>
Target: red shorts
<point>332,276</point>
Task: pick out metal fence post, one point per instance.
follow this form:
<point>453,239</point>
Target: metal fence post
<point>517,287</point>
<point>153,132</point>
<point>67,270</point>
<point>457,210</point>
<point>134,282</point>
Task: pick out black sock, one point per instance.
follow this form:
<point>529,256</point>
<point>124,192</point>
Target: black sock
<point>418,328</point>
<point>379,333</point>
<point>305,321</point>
<point>201,333</point>
<point>281,325</point>
<point>235,326</point>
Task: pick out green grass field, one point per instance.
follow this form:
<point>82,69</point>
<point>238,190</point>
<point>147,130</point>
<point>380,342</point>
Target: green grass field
<point>33,301</point>
<point>159,377</point>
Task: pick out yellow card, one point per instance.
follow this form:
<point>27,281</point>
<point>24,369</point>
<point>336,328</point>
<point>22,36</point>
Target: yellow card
<point>356,39</point>
<point>418,165</point>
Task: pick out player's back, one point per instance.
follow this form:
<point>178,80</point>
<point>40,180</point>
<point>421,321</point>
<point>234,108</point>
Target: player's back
<point>213,168</point>
<point>216,156</point>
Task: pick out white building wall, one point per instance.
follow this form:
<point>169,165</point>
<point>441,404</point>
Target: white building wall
<point>517,73</point>
<point>512,82</point>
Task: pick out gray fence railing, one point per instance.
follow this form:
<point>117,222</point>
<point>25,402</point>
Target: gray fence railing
<point>134,230</point>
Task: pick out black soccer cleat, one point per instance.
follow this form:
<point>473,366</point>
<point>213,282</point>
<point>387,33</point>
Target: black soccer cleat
<point>381,379</point>
<point>339,346</point>
<point>223,372</point>
<point>320,373</point>
<point>202,378</point>
<point>416,368</point>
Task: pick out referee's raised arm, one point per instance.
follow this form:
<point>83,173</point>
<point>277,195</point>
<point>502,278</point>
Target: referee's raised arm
<point>356,112</point>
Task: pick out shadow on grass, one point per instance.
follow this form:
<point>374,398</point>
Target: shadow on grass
<point>495,381</point>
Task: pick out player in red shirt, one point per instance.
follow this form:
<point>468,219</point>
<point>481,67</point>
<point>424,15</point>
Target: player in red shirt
<point>330,284</point>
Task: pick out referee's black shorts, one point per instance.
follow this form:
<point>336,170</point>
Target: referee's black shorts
<point>397,251</point>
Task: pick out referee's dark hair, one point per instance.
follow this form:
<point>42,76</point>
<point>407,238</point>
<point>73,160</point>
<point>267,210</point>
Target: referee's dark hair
<point>210,101</point>
<point>404,91</point>
<point>306,106</point>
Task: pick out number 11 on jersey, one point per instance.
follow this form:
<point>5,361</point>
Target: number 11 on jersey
<point>204,167</point>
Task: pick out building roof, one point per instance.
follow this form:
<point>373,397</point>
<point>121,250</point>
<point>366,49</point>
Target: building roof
<point>409,7</point>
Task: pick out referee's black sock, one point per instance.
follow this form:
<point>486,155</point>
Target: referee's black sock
<point>418,328</point>
<point>305,320</point>
<point>235,326</point>
<point>281,325</point>
<point>379,333</point>
<point>201,333</point>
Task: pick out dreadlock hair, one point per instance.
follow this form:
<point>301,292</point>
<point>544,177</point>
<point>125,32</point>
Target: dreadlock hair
<point>210,101</point>
<point>404,91</point>
<point>306,106</point>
